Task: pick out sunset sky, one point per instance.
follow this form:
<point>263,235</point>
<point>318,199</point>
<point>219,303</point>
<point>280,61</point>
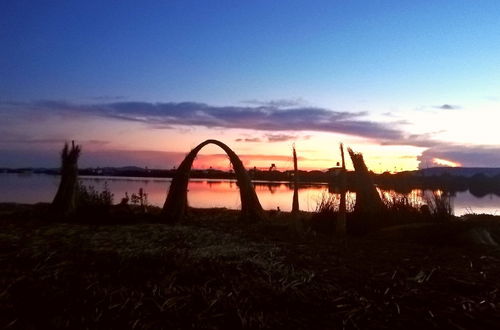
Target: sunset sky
<point>408,83</point>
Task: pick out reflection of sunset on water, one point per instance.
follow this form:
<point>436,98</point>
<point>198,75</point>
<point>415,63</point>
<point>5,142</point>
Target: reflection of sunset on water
<point>218,193</point>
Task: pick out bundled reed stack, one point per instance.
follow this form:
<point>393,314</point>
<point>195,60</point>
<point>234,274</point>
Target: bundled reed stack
<point>295,203</point>
<point>176,204</point>
<point>367,198</point>
<point>65,201</point>
<point>340,228</point>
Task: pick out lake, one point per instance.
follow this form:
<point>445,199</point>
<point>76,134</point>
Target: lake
<point>33,188</point>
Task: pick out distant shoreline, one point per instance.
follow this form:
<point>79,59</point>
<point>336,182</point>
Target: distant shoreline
<point>479,181</point>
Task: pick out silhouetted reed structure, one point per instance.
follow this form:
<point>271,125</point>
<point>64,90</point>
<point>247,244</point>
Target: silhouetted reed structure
<point>367,197</point>
<point>297,225</point>
<point>65,201</point>
<point>295,203</point>
<point>176,204</point>
<point>340,228</point>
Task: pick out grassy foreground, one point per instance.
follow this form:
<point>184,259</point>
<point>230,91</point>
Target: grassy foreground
<point>214,272</point>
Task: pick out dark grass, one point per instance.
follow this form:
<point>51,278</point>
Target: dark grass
<point>215,272</point>
<point>396,210</point>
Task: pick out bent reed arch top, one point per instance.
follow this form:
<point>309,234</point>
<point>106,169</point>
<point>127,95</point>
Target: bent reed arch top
<point>175,206</point>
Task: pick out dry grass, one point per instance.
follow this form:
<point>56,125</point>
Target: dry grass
<point>440,205</point>
<point>215,272</point>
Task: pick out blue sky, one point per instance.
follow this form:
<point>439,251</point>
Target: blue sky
<point>395,61</point>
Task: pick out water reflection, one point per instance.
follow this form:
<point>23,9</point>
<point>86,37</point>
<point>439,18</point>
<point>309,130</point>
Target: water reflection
<point>216,193</point>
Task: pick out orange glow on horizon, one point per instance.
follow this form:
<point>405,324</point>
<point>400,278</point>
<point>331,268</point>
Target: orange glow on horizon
<point>137,146</point>
<point>307,163</point>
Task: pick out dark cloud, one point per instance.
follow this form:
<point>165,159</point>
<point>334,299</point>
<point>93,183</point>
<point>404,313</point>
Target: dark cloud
<point>275,138</point>
<point>467,156</point>
<point>23,140</point>
<point>281,103</point>
<point>267,118</point>
<point>53,141</point>
<point>415,141</point>
<point>248,140</point>
<point>108,98</point>
<point>447,107</point>
<point>424,140</point>
<point>280,137</point>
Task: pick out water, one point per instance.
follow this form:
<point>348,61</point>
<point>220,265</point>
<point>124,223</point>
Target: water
<point>33,188</point>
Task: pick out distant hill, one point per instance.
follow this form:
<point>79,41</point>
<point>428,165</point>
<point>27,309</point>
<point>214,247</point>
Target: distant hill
<point>460,171</point>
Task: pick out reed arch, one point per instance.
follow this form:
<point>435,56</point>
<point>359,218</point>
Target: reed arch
<point>175,206</point>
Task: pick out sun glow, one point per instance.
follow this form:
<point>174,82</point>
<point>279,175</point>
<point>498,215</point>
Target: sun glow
<point>445,162</point>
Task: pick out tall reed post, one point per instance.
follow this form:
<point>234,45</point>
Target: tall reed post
<point>340,228</point>
<point>295,203</point>
<point>65,201</point>
<point>298,227</point>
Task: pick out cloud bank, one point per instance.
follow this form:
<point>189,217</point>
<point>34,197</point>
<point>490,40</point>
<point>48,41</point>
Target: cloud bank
<point>467,156</point>
<point>270,117</point>
<point>281,119</point>
<point>282,103</point>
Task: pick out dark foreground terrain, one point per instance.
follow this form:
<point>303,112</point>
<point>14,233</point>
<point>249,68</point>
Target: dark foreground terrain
<point>214,272</point>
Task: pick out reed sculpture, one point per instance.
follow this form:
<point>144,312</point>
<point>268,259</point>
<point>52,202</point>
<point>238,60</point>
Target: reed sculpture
<point>66,199</point>
<point>176,204</point>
